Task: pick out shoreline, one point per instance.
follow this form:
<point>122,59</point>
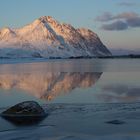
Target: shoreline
<point>31,60</point>
<point>83,122</point>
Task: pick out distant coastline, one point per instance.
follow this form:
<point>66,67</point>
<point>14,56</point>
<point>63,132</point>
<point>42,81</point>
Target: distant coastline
<point>79,57</point>
<point>122,56</point>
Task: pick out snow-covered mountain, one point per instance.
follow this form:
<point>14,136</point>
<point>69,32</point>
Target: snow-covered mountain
<point>48,38</point>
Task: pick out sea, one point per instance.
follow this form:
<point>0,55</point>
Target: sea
<point>84,98</point>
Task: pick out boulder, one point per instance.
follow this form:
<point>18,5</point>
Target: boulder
<point>25,113</point>
<point>117,122</point>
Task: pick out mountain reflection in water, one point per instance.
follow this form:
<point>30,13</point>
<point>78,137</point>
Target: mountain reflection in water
<point>49,85</point>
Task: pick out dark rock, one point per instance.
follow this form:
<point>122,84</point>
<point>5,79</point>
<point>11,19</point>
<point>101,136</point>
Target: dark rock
<point>25,113</point>
<point>36,55</point>
<point>115,122</point>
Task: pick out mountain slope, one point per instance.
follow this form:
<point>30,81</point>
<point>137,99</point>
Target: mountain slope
<point>48,38</point>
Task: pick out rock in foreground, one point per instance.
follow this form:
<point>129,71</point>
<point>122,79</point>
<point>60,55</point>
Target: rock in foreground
<point>25,113</point>
<point>117,122</point>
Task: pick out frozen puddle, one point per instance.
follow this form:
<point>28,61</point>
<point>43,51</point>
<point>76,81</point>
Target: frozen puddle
<point>82,122</point>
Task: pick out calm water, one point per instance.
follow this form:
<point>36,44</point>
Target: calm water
<point>70,81</point>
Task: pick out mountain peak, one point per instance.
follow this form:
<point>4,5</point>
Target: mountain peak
<point>47,37</point>
<point>6,33</point>
<point>47,19</point>
<point>6,30</point>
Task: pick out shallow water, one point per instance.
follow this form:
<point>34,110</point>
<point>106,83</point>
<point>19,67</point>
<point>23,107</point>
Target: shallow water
<point>70,81</point>
<point>80,81</point>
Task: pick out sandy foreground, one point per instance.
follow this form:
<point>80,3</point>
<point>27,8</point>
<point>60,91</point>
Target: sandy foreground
<point>82,122</point>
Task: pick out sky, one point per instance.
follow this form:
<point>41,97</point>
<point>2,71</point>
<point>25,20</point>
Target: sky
<point>117,22</point>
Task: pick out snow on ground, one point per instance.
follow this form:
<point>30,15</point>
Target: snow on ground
<point>82,122</point>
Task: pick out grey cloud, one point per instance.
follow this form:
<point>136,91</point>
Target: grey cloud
<point>126,15</point>
<point>120,21</point>
<point>117,25</point>
<point>133,22</point>
<point>104,17</point>
<point>128,4</point>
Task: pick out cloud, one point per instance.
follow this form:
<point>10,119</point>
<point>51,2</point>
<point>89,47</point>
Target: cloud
<point>104,17</point>
<point>120,21</point>
<point>126,15</point>
<point>117,25</point>
<point>127,4</point>
<point>134,22</point>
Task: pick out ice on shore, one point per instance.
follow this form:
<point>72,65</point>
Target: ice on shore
<point>82,122</point>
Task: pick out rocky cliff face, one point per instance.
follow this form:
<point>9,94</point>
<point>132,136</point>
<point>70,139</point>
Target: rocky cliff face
<point>48,38</point>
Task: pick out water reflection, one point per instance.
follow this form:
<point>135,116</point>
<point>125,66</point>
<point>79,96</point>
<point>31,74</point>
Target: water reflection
<point>119,93</point>
<point>79,87</point>
<point>49,85</point>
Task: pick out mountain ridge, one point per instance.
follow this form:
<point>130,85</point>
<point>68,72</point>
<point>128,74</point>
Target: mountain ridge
<point>46,37</point>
